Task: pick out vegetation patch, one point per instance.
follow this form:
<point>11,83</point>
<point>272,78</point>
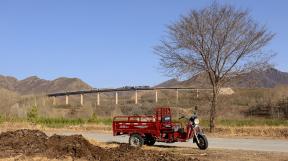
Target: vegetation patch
<point>98,120</point>
<point>59,122</point>
<point>247,122</point>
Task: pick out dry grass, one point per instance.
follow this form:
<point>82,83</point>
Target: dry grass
<point>232,106</point>
<point>10,126</point>
<point>256,131</point>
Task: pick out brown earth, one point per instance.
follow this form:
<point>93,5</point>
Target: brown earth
<point>224,154</point>
<point>34,143</point>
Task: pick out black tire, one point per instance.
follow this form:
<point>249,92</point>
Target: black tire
<point>150,141</point>
<point>203,142</point>
<point>136,140</point>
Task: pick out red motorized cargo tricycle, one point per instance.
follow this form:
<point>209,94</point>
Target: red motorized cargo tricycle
<point>147,129</point>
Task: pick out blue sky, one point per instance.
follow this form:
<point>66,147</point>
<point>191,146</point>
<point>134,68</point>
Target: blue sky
<point>107,43</point>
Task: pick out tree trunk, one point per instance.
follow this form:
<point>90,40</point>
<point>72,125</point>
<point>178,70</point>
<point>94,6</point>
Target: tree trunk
<point>213,109</point>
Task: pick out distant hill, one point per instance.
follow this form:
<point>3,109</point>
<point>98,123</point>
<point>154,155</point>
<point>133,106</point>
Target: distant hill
<point>35,85</point>
<point>169,83</point>
<point>266,79</point>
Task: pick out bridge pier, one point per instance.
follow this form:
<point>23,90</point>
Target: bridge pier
<point>116,98</point>
<point>67,99</point>
<point>81,99</point>
<point>54,100</point>
<point>156,96</point>
<point>136,97</point>
<point>98,99</point>
<point>177,96</point>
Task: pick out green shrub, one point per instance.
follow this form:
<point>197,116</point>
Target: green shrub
<point>32,115</point>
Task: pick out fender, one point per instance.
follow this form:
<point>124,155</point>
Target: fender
<point>197,132</point>
<point>195,139</point>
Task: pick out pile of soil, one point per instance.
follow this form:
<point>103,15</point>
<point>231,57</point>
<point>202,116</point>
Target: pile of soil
<point>37,143</point>
<point>75,146</point>
<point>28,142</point>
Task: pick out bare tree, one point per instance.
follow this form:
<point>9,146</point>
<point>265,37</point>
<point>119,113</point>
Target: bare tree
<point>219,40</point>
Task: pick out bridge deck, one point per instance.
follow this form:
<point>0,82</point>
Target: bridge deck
<point>67,93</point>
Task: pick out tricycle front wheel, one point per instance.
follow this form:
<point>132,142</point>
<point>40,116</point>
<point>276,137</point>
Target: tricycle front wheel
<point>202,142</point>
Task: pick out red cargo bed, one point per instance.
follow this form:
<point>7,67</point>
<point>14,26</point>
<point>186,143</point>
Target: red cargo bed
<point>134,124</point>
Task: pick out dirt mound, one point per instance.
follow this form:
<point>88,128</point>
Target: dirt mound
<point>37,143</point>
<point>75,146</point>
<point>26,142</point>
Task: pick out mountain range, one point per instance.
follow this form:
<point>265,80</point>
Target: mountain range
<point>34,85</point>
<point>264,79</point>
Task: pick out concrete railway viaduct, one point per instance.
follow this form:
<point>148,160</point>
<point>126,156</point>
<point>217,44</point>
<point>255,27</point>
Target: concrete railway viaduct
<point>81,93</point>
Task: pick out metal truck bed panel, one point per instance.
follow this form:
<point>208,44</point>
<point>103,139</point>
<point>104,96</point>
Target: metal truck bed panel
<point>134,124</point>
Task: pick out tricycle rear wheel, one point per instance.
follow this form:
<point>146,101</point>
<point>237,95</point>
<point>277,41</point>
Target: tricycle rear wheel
<point>149,141</point>
<point>136,140</point>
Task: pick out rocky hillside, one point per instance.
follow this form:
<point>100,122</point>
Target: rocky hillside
<point>35,85</point>
<point>267,79</point>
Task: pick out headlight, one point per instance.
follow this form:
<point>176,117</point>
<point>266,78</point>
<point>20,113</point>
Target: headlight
<point>196,121</point>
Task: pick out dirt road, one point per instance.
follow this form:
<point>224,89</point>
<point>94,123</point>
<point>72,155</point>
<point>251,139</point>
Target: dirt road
<point>217,143</point>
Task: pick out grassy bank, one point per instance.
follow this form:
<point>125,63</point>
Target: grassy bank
<point>58,122</point>
<point>247,122</point>
<point>62,122</point>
